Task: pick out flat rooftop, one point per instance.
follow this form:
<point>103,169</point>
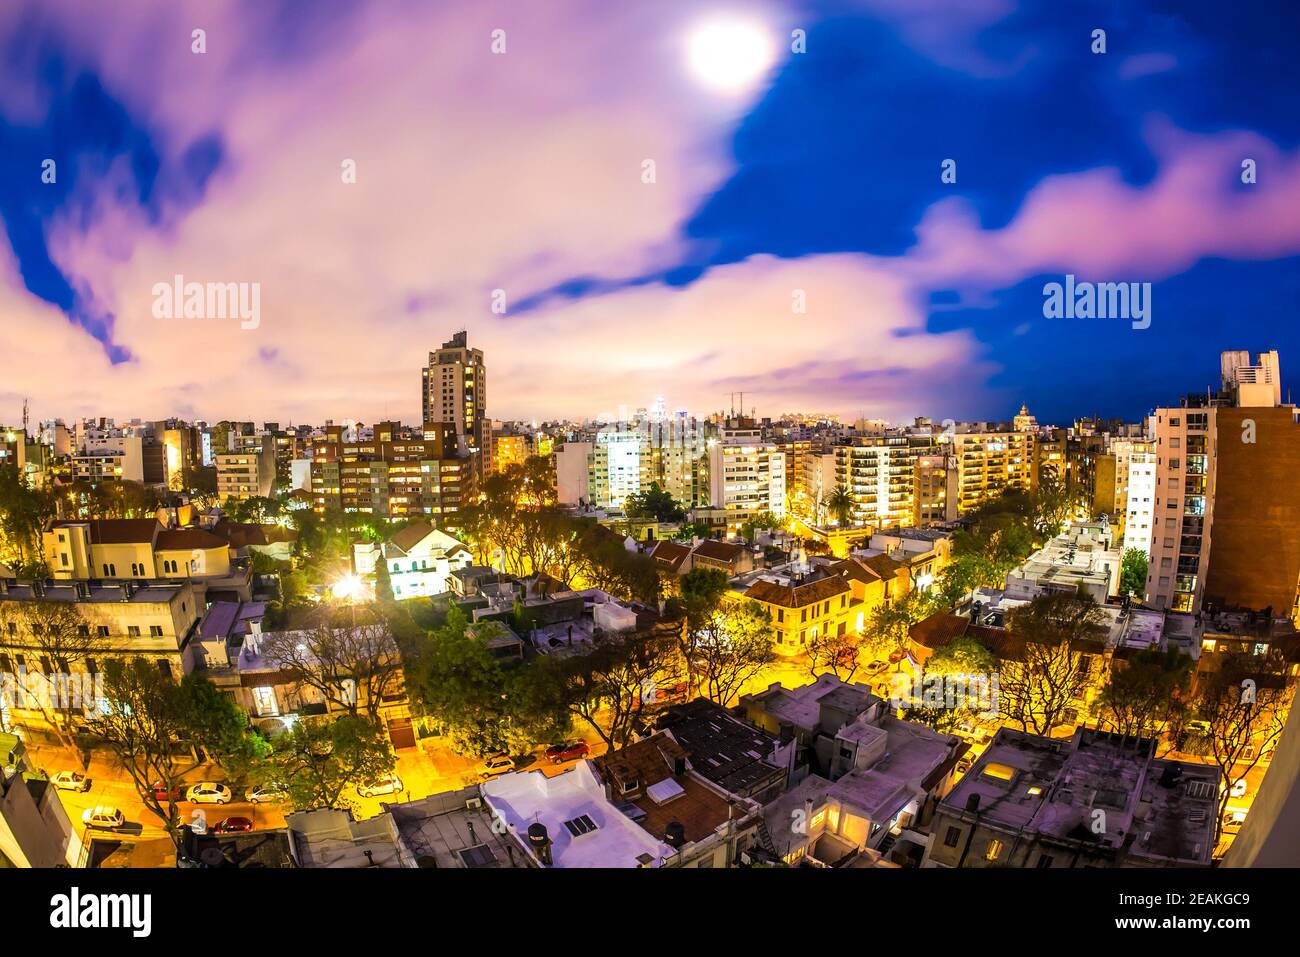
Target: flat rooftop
<point>1053,786</point>
<point>446,829</point>
<point>530,797</point>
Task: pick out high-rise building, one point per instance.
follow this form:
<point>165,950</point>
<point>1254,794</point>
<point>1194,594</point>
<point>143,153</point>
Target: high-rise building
<point>746,473</point>
<point>1227,499</point>
<point>988,463</point>
<point>455,391</point>
<point>248,472</point>
<point>395,473</point>
<point>879,472</point>
<point>1135,490</point>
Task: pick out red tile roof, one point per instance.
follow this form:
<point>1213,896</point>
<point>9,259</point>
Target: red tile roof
<point>719,551</point>
<point>671,554</point>
<point>799,594</point>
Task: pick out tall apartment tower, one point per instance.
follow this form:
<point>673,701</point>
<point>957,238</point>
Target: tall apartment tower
<point>1227,501</point>
<point>455,392</point>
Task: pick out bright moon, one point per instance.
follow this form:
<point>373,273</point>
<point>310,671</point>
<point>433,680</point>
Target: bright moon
<point>730,56</point>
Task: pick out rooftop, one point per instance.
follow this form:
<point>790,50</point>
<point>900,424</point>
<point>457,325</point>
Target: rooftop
<point>1160,810</point>
<point>723,749</point>
<point>447,829</point>
<point>615,840</point>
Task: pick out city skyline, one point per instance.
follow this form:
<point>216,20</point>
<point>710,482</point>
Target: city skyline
<point>772,191</point>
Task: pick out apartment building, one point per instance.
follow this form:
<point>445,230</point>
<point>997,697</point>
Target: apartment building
<point>880,474</point>
<point>1226,497</point>
<point>1135,491</point>
<point>394,474</point>
<point>747,474</point>
<point>936,489</point>
<point>146,620</point>
<point>249,471</point>
<point>812,480</point>
<point>988,463</point>
<point>454,390</point>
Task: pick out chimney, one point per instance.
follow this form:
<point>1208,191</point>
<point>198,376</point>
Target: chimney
<point>38,588</point>
<point>973,803</point>
<point>127,589</point>
<point>83,591</point>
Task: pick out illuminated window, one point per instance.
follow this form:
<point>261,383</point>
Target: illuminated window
<point>994,850</point>
<point>1002,772</point>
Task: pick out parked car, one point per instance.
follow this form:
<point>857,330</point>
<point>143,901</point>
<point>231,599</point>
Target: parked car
<point>103,816</point>
<point>896,656</point>
<point>1238,788</point>
<point>875,667</point>
<point>675,692</point>
<point>567,752</point>
<point>964,763</point>
<point>1233,820</point>
<point>389,784</point>
<point>497,764</point>
<point>159,791</point>
<point>266,794</point>
<point>71,781</point>
<point>209,792</point>
<point>233,825</point>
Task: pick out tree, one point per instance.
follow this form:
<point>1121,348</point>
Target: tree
<point>1051,506</point>
<point>836,653</point>
<point>700,594</point>
<point>1133,573</point>
<point>962,656</point>
<point>349,657</point>
<point>221,727</point>
<point>654,502</point>
<point>840,504</point>
<point>889,625</point>
<point>761,522</point>
<point>146,718</point>
<point>609,686</point>
<point>318,758</point>
<point>1145,694</point>
<point>383,581</point>
<point>1037,689</point>
<point>734,646</point>
<point>480,702</point>
<point>56,634</point>
<point>1245,703</point>
<point>23,514</point>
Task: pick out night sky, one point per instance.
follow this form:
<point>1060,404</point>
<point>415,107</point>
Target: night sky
<point>815,179</point>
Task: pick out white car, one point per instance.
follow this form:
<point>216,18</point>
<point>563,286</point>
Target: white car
<point>266,794</point>
<point>497,764</point>
<point>1238,788</point>
<point>389,784</point>
<point>875,667</point>
<point>103,816</point>
<point>71,781</point>
<point>209,792</point>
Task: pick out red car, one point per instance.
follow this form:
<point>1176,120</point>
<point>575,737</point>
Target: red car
<point>233,825</point>
<point>567,752</point>
<point>160,793</point>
